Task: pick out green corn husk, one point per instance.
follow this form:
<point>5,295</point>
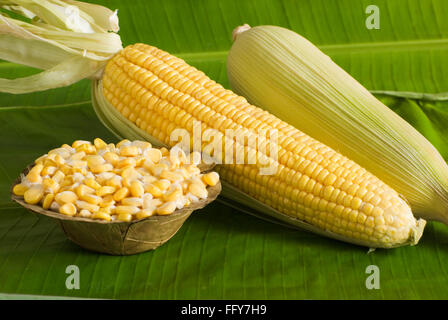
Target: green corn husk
<point>282,72</point>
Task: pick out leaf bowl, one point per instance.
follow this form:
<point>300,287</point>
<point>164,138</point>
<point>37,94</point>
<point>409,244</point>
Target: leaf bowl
<point>118,237</point>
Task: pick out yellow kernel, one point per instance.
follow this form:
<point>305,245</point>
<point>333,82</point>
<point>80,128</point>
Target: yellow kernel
<point>91,198</point>
<point>58,176</point>
<point>162,184</point>
<point>40,160</point>
<point>153,154</point>
<point>99,143</point>
<point>152,189</point>
<point>130,174</point>
<point>123,142</point>
<point>193,170</point>
<point>211,178</point>
<point>66,197</point>
<point>126,209</point>
<point>19,189</point>
<point>128,162</point>
<point>166,208</point>
<point>49,171</point>
<point>121,194</point>
<point>135,202</point>
<point>129,151</point>
<point>102,168</point>
<point>165,152</point>
<point>34,177</point>
<point>87,148</point>
<point>59,160</point>
<point>142,144</point>
<point>115,182</point>
<point>157,169</point>
<point>126,217</point>
<point>145,213</point>
<point>78,155</point>
<point>86,205</point>
<point>172,176</point>
<point>84,213</point>
<point>106,190</point>
<point>198,190</point>
<point>107,201</point>
<point>172,195</point>
<point>367,208</point>
<point>68,209</point>
<point>48,200</point>
<point>101,215</point>
<point>111,157</point>
<point>78,143</point>
<point>90,182</point>
<point>50,185</point>
<point>82,190</point>
<point>137,188</point>
<point>94,160</point>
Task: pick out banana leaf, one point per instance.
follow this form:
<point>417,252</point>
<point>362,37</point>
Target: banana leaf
<point>221,252</point>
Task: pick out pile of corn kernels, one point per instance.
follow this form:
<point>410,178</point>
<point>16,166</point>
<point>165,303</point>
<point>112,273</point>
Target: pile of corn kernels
<point>124,182</point>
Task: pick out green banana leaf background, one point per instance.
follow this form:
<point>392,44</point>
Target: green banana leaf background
<point>221,252</point>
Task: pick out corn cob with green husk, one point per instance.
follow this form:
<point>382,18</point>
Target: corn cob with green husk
<point>285,74</point>
<point>146,93</point>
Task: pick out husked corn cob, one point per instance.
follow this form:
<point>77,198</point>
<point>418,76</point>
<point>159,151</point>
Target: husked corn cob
<point>312,184</point>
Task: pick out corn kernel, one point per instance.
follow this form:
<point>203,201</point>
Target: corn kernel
<point>99,143</point>
<point>94,160</point>
<point>145,213</point>
<point>137,188</point>
<point>172,176</point>
<point>136,202</point>
<point>78,143</point>
<point>211,178</point>
<point>78,155</point>
<point>121,194</point>
<point>92,183</point>
<point>48,200</point>
<point>66,197</point>
<point>153,190</point>
<point>49,171</point>
<point>68,209</point>
<point>173,194</point>
<point>91,198</point>
<point>130,174</point>
<point>166,208</point>
<point>126,217</point>
<point>87,148</point>
<point>111,157</point>
<point>126,209</point>
<point>85,205</point>
<point>19,189</point>
<point>102,168</point>
<point>153,154</point>
<point>82,190</point>
<point>50,185</point>
<point>198,190</point>
<point>84,213</point>
<point>101,215</point>
<point>107,201</point>
<point>162,184</point>
<point>106,190</point>
<point>129,151</point>
<point>124,142</point>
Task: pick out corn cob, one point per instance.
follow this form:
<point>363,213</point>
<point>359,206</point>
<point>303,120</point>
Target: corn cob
<point>285,74</point>
<point>148,93</point>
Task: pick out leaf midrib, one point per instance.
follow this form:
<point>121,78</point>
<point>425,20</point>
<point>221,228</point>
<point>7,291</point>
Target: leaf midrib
<point>420,44</point>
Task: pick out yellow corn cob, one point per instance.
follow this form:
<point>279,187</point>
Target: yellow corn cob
<point>313,186</point>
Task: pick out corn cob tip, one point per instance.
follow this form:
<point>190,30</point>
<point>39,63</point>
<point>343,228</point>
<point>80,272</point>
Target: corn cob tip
<point>238,30</point>
<point>417,232</point>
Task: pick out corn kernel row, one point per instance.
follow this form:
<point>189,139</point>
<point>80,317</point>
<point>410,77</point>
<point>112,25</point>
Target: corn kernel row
<point>125,182</point>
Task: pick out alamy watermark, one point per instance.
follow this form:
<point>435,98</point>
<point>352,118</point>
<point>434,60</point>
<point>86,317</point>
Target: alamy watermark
<point>72,282</point>
<point>373,280</point>
<point>373,18</point>
<point>234,146</point>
